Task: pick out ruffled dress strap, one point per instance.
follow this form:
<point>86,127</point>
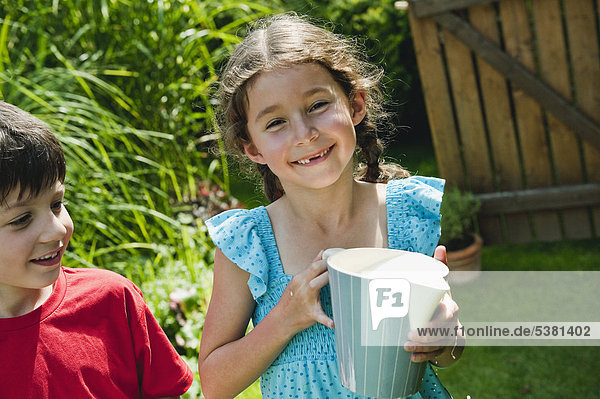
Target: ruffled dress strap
<point>413,210</point>
<point>238,235</point>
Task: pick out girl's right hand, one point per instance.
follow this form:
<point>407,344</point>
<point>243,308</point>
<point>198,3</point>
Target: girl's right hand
<point>301,301</point>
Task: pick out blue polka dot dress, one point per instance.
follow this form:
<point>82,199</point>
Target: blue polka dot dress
<point>307,367</point>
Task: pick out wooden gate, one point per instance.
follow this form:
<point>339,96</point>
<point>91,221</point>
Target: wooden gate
<point>512,91</point>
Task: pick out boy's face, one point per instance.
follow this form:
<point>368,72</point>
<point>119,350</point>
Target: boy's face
<point>34,233</point>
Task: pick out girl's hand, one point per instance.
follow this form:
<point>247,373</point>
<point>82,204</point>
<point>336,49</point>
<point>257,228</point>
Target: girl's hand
<point>432,347</point>
<point>301,302</point>
<point>443,349</point>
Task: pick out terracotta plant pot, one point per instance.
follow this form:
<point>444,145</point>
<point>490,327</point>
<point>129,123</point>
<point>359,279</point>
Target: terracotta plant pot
<point>466,260</point>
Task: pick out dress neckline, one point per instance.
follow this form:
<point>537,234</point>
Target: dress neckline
<point>272,248</point>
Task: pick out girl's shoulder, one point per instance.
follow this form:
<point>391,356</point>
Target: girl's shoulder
<point>418,191</point>
<point>416,183</point>
<point>413,213</point>
<point>245,238</point>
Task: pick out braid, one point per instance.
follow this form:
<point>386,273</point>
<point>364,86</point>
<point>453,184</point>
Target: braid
<point>371,148</point>
<point>271,184</point>
<point>375,171</point>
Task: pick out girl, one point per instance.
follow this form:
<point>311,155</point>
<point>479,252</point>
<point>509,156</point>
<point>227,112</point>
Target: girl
<point>297,101</point>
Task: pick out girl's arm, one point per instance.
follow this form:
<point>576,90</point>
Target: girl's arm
<point>230,361</point>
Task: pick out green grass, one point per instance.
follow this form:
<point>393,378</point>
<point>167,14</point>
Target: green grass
<point>547,256</point>
<point>524,372</point>
<point>530,372</point>
<point>252,392</point>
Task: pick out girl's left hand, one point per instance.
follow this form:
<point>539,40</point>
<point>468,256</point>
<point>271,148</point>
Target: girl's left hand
<point>449,340</point>
<point>431,346</point>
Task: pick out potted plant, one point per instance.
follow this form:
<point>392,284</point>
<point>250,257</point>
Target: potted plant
<point>463,244</point>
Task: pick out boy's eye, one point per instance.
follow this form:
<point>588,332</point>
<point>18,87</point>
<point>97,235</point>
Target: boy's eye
<point>21,220</point>
<point>57,206</point>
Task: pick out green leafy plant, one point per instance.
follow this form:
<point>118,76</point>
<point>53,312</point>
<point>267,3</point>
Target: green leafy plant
<point>127,87</point>
<point>459,209</point>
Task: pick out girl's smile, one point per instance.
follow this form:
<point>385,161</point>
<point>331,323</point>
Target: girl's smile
<point>315,159</point>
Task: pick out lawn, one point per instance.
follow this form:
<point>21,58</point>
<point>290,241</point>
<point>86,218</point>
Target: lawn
<point>531,372</point>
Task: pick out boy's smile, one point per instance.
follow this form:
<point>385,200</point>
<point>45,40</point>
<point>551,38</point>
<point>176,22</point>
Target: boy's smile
<point>301,124</point>
<point>49,260</point>
<point>34,233</point>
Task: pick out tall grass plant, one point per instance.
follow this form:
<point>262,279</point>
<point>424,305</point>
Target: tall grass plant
<point>127,87</point>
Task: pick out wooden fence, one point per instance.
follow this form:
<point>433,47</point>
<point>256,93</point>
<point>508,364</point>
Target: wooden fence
<point>512,91</point>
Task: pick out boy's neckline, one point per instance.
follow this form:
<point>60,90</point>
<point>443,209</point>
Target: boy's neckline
<point>41,312</point>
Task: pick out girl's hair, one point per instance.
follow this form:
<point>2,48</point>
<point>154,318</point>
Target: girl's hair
<point>31,157</point>
<point>281,41</point>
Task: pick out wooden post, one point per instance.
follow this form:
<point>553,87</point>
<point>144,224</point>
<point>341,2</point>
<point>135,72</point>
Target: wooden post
<point>532,138</point>
<point>552,56</point>
<point>437,99</point>
<point>468,114</point>
<point>585,61</point>
<point>501,133</point>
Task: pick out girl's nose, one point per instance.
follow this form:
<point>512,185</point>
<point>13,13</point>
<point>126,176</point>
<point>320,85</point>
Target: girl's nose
<point>306,133</point>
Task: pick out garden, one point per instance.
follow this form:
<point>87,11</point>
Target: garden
<point>128,86</point>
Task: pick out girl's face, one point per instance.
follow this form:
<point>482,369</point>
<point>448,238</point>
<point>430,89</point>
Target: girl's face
<point>34,234</point>
<point>301,125</point>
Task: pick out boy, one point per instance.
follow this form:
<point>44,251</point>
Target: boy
<point>66,333</point>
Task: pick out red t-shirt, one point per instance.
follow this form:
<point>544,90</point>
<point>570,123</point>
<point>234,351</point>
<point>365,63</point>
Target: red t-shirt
<point>93,338</point>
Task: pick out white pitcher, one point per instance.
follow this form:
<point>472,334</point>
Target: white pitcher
<point>374,292</point>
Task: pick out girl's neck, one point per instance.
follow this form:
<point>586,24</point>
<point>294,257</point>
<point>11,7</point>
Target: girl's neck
<point>15,302</point>
<point>329,208</point>
<point>347,214</point>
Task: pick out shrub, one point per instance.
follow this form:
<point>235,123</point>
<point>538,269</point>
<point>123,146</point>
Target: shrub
<point>127,88</point>
<point>458,214</point>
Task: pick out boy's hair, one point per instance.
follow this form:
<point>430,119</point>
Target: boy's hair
<point>281,41</point>
<point>31,158</point>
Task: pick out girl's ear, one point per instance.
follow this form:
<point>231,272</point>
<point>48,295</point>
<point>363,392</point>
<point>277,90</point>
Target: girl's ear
<point>253,153</point>
<point>358,107</point>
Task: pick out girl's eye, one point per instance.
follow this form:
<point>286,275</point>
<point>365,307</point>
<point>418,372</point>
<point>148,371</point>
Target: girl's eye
<point>274,123</point>
<point>317,105</point>
<point>21,220</point>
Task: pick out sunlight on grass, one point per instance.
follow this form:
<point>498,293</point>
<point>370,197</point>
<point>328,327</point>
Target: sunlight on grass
<point>252,392</point>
